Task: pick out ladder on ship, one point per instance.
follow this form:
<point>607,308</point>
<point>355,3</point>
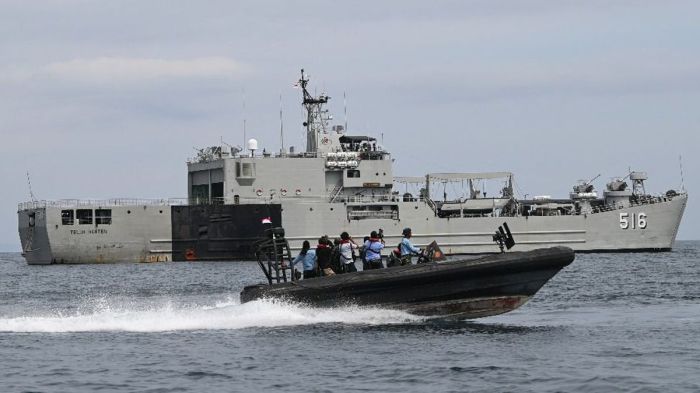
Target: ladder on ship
<point>334,194</point>
<point>274,256</point>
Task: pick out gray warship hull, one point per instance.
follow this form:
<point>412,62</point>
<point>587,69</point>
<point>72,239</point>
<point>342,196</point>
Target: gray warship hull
<point>165,232</point>
<point>340,183</point>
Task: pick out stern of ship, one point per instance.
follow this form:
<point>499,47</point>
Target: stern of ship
<point>33,234</point>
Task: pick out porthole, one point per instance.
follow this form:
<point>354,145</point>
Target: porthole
<point>311,209</point>
<point>331,209</point>
<point>161,212</point>
<point>128,212</point>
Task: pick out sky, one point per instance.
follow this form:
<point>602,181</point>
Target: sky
<point>104,99</point>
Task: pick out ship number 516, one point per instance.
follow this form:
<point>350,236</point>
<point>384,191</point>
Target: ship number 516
<point>633,221</point>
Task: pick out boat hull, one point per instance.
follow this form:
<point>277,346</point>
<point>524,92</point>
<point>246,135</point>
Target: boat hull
<point>473,288</point>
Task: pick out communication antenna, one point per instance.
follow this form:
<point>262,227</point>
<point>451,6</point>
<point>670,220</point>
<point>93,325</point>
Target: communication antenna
<point>316,120</point>
<point>345,108</point>
<point>29,184</point>
<point>281,126</point>
<point>680,163</point>
<point>245,140</point>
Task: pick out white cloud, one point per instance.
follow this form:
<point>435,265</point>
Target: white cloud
<point>125,68</point>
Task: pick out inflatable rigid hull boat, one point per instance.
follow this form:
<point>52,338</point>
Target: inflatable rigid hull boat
<point>470,288</point>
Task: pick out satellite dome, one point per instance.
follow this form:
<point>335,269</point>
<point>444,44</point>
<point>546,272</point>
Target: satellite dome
<point>252,144</point>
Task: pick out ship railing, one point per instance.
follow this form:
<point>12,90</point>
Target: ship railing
<point>639,201</point>
<point>360,214</point>
<point>376,198</point>
<point>604,208</point>
<point>366,199</point>
<point>68,203</point>
<point>649,199</point>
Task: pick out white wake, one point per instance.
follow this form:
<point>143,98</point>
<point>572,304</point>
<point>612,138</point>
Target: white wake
<point>227,314</point>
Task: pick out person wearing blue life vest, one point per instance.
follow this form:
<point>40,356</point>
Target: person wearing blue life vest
<point>308,259</point>
<point>407,249</point>
<point>373,251</point>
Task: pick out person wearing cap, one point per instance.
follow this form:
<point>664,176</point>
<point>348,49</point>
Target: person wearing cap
<point>347,253</point>
<point>373,251</point>
<point>308,259</point>
<point>407,248</point>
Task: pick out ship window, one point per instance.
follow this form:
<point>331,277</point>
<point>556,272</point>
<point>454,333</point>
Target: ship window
<point>67,217</point>
<point>245,169</point>
<point>103,216</point>
<point>353,173</point>
<point>200,194</point>
<point>84,216</point>
<point>217,193</point>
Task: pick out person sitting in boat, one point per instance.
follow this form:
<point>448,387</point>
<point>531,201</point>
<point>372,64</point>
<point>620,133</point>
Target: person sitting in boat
<point>323,256</point>
<point>336,264</point>
<point>407,248</point>
<point>347,253</point>
<point>308,259</point>
<point>373,251</point>
<point>363,253</point>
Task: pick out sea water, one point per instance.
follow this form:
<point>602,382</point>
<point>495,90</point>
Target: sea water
<point>607,322</point>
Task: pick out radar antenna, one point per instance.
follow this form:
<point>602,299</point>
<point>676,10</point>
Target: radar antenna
<point>315,121</point>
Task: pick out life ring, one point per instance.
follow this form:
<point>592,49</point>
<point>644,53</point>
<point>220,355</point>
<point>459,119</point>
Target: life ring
<point>190,255</point>
<point>325,141</point>
<point>283,191</point>
<point>298,192</point>
<point>258,192</point>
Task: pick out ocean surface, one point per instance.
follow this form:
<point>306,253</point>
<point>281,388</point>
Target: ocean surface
<point>606,323</point>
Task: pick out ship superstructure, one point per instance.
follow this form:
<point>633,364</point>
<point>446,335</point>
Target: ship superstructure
<point>343,182</point>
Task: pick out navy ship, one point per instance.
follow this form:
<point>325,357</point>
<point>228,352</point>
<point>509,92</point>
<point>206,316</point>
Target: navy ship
<point>341,182</point>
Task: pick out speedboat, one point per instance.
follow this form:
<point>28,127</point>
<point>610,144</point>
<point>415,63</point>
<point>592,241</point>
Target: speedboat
<point>463,288</point>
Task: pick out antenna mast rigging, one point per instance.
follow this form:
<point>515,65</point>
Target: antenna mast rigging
<point>315,121</point>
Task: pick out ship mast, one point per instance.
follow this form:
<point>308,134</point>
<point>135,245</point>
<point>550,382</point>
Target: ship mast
<point>315,121</point>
